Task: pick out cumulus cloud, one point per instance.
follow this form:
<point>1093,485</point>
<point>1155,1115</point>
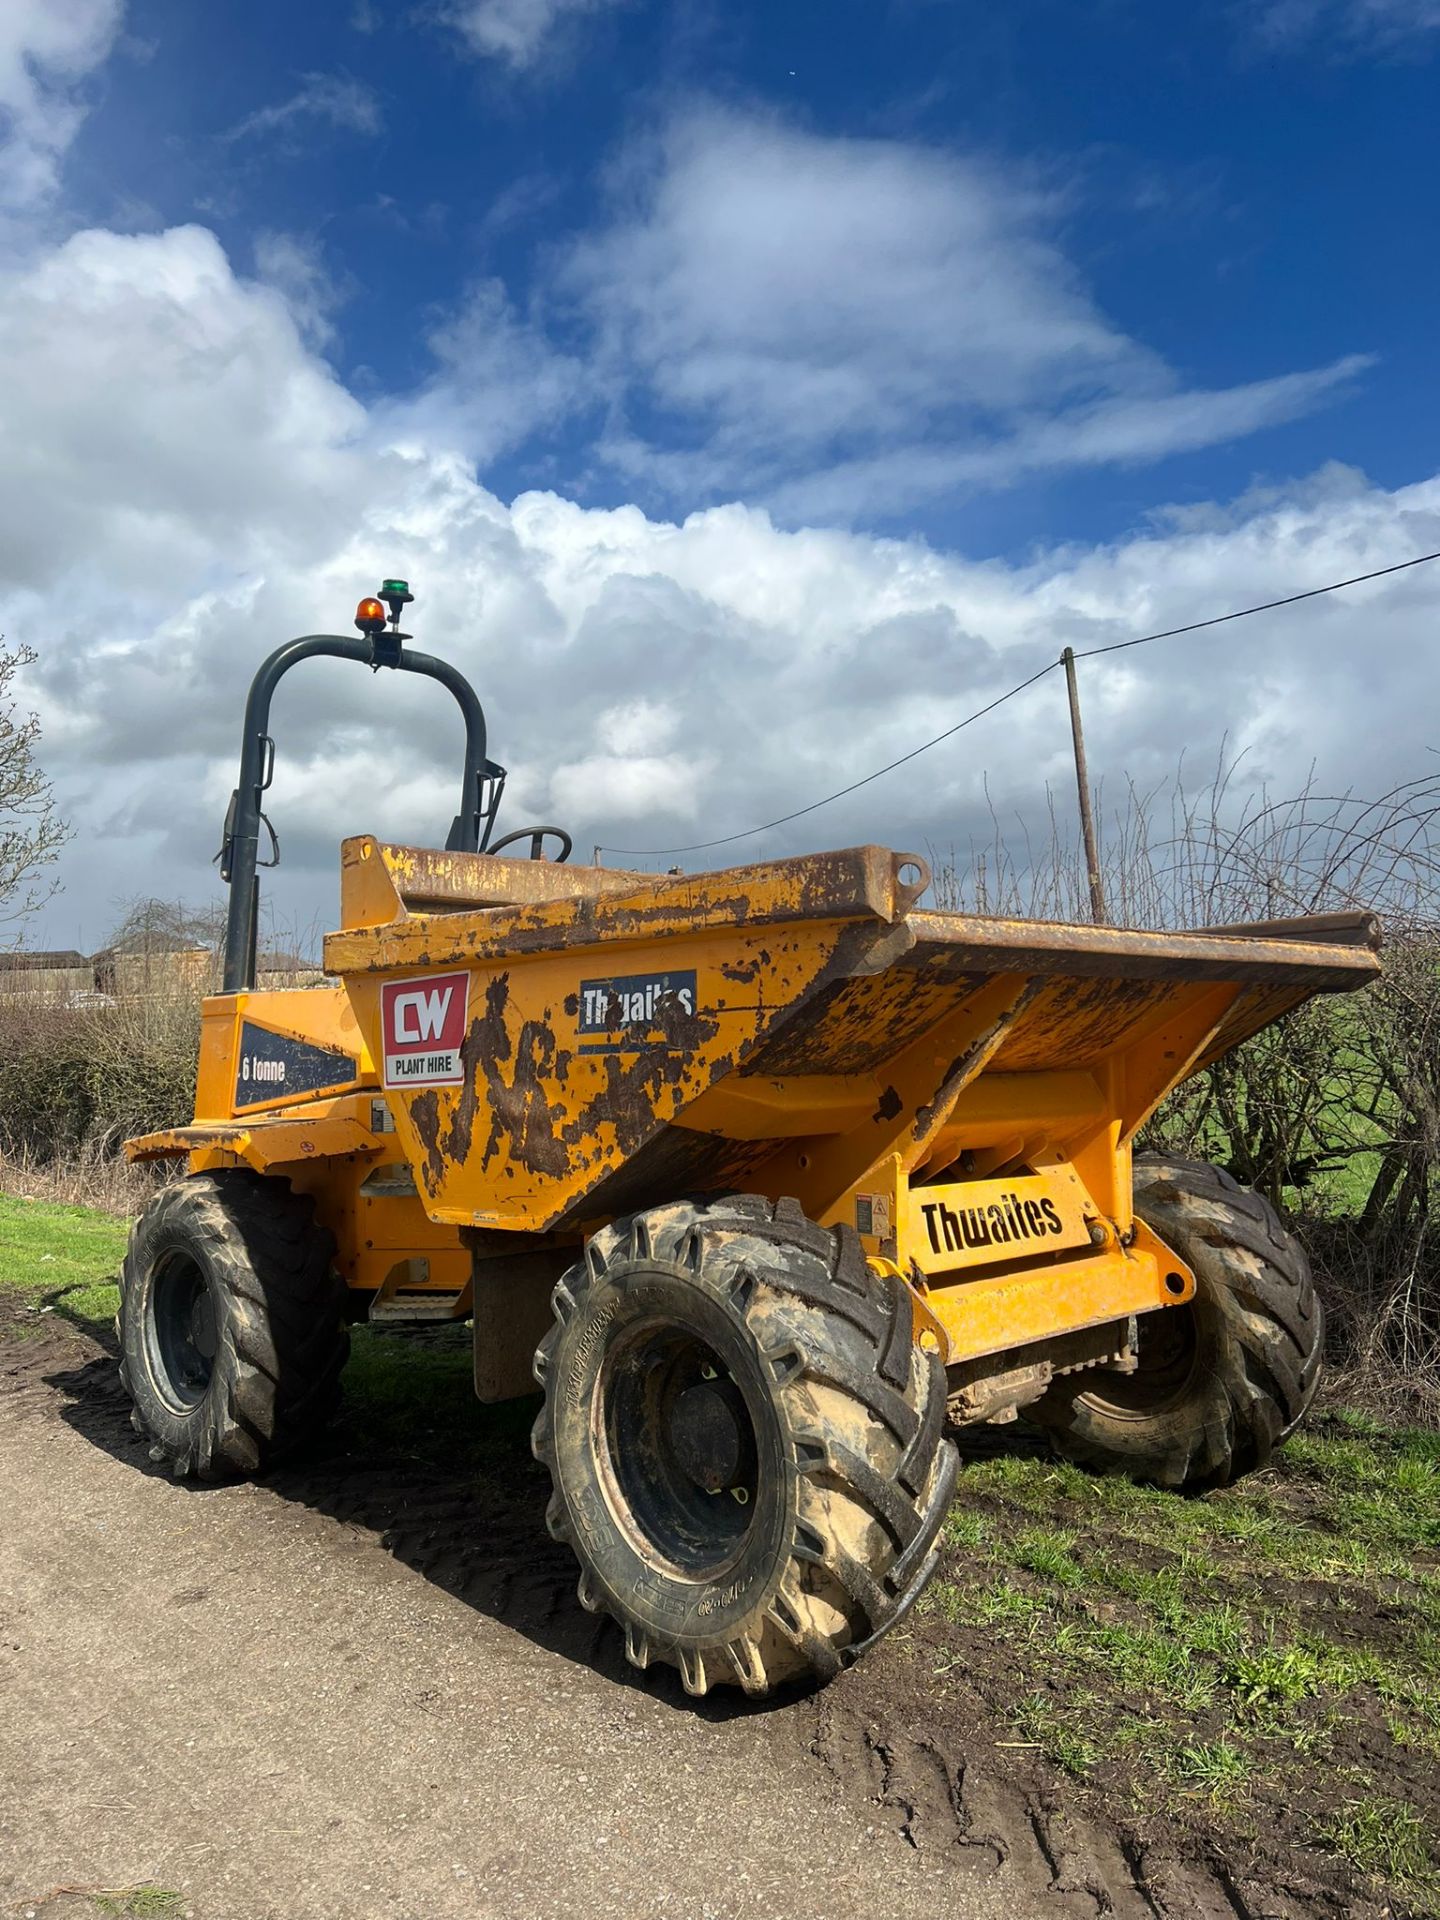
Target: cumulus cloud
<point>516,32</point>
<point>852,326</point>
<point>195,486</point>
<point>47,49</point>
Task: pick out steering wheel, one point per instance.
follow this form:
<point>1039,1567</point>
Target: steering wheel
<point>536,835</point>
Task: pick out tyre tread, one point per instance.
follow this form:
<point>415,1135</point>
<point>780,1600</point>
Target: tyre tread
<point>848,1329</point>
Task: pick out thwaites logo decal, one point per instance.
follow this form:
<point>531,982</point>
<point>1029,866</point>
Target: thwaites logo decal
<point>423,1024</point>
<point>629,1011</point>
<point>272,1066</point>
<point>977,1222</point>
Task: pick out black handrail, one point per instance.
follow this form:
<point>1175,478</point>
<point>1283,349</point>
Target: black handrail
<point>469,833</point>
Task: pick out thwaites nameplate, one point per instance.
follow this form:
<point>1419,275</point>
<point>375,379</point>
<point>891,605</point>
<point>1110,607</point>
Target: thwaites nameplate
<point>974,1223</point>
<point>632,1010</point>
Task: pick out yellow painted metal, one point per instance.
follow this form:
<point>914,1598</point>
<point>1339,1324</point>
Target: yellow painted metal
<point>796,1029</point>
<point>997,1311</point>
<point>920,1086</point>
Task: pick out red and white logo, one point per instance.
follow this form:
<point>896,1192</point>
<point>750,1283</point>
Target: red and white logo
<point>423,1023</point>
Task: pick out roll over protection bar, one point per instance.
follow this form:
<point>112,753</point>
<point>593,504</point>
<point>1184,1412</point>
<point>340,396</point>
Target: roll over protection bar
<point>480,791</point>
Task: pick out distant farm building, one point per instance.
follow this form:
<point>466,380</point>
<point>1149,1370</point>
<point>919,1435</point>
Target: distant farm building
<point>142,968</point>
<point>61,975</point>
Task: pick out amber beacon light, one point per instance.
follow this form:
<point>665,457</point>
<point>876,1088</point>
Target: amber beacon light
<point>370,616</point>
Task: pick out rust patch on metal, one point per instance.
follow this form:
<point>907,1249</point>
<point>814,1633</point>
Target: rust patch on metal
<point>425,1116</point>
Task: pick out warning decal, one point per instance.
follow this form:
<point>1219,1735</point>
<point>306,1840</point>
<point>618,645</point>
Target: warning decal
<point>272,1066</point>
<point>423,1024</point>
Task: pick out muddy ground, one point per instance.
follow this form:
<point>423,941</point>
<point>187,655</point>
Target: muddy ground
<point>365,1686</point>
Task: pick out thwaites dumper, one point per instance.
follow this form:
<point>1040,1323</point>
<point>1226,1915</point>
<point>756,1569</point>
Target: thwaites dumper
<point>762,1175</point>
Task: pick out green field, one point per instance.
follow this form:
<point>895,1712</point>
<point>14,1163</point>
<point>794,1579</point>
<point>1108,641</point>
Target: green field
<point>60,1260</point>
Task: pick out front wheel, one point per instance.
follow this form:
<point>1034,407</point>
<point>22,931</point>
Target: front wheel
<point>1220,1381</point>
<point>231,1323</point>
<point>745,1441</point>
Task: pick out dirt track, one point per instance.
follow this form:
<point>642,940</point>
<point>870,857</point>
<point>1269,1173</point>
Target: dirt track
<point>363,1689</point>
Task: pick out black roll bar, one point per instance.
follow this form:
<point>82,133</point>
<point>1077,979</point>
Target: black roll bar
<point>239,857</point>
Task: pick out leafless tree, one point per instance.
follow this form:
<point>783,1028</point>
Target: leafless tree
<point>31,832</point>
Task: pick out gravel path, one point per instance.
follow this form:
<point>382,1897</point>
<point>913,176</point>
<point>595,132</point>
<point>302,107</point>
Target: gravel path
<point>227,1692</point>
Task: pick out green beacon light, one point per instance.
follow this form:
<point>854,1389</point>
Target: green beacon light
<point>396,594</point>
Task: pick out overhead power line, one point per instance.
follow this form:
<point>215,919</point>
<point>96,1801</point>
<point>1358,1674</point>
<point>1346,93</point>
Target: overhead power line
<point>1087,653</point>
<point>1265,606</point>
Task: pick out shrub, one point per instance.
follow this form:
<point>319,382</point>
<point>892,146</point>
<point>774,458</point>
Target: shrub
<point>79,1080</point>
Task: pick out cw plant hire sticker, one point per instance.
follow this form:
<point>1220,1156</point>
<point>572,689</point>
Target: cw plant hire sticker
<point>423,1025</point>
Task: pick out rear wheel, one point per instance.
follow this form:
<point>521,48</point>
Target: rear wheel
<point>745,1441</point>
<point>1220,1381</point>
<point>231,1324</point>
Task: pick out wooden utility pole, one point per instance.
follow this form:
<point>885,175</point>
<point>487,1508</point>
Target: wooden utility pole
<point>1082,778</point>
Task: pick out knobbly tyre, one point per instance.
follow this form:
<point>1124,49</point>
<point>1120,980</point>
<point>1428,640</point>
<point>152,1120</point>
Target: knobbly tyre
<point>761,1175</point>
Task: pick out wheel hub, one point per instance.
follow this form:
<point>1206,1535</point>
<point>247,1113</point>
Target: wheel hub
<point>711,1435</point>
<point>680,1445</point>
<point>182,1336</point>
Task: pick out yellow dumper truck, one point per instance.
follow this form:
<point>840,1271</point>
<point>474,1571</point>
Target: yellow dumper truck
<point>764,1176</point>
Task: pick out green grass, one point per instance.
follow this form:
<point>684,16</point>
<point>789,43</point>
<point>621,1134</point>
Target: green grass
<point>406,1399</point>
<point>139,1903</point>
<point>1383,1837</point>
<point>1216,1767</point>
<point>1048,1552</point>
<point>64,1259</point>
<point>1257,1647</point>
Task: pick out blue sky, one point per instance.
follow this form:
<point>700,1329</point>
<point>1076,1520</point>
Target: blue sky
<point>1241,193</point>
<point>682,351</point>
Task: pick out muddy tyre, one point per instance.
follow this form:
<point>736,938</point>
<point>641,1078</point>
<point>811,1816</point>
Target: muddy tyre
<point>1220,1381</point>
<point>231,1326</point>
<point>745,1442</point>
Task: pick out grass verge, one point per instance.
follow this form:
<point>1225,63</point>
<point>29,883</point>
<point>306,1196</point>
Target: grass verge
<point>1269,1655</point>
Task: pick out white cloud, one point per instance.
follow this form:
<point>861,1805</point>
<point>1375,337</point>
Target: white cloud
<point>497,381</point>
<point>294,264</point>
<point>861,324</point>
<point>152,405</point>
<point>47,48</point>
<point>517,32</point>
<point>188,485</point>
<point>331,99</point>
<point>1383,26</point>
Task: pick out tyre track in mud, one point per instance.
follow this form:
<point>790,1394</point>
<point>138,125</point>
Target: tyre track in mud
<point>1001,1835</point>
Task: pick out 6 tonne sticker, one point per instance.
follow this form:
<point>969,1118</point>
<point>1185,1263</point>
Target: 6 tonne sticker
<point>423,1024</point>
